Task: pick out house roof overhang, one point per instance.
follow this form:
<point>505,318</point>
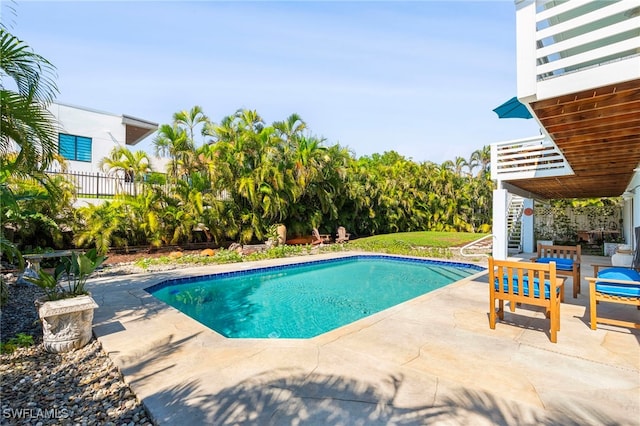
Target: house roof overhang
<point>137,129</point>
<point>598,132</point>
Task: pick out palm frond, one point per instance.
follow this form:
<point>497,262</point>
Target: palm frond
<point>33,74</point>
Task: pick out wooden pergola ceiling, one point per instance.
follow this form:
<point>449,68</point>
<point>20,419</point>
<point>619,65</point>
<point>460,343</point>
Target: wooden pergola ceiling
<point>598,131</point>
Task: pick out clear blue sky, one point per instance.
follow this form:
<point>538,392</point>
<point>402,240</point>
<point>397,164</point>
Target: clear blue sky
<point>419,77</point>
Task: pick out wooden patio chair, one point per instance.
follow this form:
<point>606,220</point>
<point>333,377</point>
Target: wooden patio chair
<point>567,259</point>
<point>613,285</point>
<point>319,238</point>
<point>342,236</point>
<point>520,282</point>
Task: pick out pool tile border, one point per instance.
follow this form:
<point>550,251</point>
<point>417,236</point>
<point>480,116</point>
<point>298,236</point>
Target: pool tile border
<point>190,279</point>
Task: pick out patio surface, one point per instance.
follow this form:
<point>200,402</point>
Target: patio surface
<point>433,360</point>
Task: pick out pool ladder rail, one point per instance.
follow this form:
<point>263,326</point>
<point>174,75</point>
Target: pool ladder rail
<point>479,244</point>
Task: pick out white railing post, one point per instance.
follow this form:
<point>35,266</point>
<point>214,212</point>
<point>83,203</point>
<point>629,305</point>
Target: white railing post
<point>500,198</point>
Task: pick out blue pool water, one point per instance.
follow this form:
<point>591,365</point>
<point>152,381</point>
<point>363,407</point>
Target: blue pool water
<point>308,299</point>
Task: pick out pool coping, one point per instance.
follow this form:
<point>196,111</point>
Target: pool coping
<point>390,365</point>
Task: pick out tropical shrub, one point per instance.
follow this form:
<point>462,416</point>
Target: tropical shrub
<point>4,292</point>
<point>21,340</point>
<point>101,226</point>
<point>70,275</point>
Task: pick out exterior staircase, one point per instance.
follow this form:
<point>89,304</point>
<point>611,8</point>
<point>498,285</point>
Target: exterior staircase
<point>514,224</point>
<point>484,245</point>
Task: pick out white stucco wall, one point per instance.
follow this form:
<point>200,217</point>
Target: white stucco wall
<point>632,198</point>
<point>106,131</point>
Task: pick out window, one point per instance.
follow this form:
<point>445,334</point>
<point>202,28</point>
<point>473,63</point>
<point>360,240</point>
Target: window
<point>76,148</point>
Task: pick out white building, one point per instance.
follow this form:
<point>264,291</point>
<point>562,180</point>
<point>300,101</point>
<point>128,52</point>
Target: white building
<point>578,73</point>
<point>86,136</point>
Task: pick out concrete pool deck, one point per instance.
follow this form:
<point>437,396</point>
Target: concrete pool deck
<point>432,359</point>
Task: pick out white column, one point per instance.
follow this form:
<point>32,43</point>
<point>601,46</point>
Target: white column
<point>500,248</point>
<point>632,198</point>
<point>635,208</point>
<point>627,219</point>
<point>528,244</point>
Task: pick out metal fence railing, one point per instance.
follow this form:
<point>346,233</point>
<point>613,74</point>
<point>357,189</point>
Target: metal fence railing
<point>99,185</point>
<point>102,185</point>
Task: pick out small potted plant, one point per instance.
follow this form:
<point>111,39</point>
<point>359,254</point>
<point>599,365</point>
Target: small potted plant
<point>66,309</point>
<point>272,237</point>
<point>611,243</point>
<point>276,235</point>
<point>544,235</point>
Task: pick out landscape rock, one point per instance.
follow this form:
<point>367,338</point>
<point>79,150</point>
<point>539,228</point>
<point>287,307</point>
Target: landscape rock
<point>207,252</point>
<point>175,254</point>
<point>78,387</point>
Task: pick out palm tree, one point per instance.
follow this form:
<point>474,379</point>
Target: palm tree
<point>100,225</point>
<point>448,165</point>
<point>472,163</point>
<point>459,164</point>
<point>132,165</point>
<point>184,212</point>
<point>190,120</point>
<point>482,157</point>
<point>144,217</point>
<point>309,158</point>
<point>25,122</point>
<point>173,142</point>
<point>290,128</point>
<point>26,126</point>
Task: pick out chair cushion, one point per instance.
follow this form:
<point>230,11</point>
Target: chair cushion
<point>536,286</point>
<point>561,263</point>
<point>613,289</point>
<point>620,274</point>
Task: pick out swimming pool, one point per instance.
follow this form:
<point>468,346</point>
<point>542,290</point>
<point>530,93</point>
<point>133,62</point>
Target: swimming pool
<point>306,299</point>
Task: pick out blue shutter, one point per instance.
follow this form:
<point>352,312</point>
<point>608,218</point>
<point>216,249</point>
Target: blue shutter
<point>66,146</point>
<point>83,149</point>
<point>76,148</point>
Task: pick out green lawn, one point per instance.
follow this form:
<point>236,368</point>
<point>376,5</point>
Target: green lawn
<point>423,239</point>
<point>423,244</point>
<point>426,244</point>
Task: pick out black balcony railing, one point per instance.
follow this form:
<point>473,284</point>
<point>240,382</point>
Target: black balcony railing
<point>99,185</point>
<point>102,185</point>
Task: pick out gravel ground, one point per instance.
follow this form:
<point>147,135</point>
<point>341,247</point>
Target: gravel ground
<point>82,387</point>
